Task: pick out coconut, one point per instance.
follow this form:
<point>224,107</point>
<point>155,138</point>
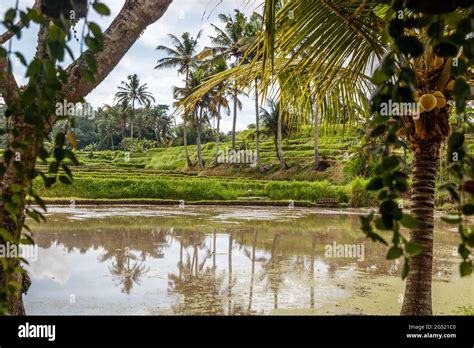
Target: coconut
<point>428,102</point>
<point>422,109</point>
<point>450,86</point>
<point>440,99</point>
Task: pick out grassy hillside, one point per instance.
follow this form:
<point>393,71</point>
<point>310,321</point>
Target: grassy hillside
<point>298,153</point>
<point>160,175</point>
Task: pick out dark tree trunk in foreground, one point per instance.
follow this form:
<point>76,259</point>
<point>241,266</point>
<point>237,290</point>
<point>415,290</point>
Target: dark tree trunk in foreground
<point>417,299</point>
<point>10,178</point>
<point>425,136</point>
<point>118,39</point>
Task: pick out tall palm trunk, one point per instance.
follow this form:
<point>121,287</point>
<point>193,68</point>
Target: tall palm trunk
<point>123,124</point>
<point>417,299</point>
<point>316,137</point>
<point>185,142</point>
<point>280,154</point>
<point>216,160</point>
<point>185,132</point>
<point>157,137</point>
<point>133,116</point>
<point>275,143</point>
<point>234,121</point>
<point>257,128</point>
<point>198,118</point>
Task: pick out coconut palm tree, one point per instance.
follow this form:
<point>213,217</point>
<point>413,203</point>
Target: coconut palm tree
<point>327,48</point>
<point>228,43</point>
<point>182,55</point>
<point>199,110</point>
<point>161,123</point>
<point>252,31</point>
<point>180,94</point>
<point>219,99</point>
<point>132,92</point>
<point>327,36</point>
<point>316,136</point>
<point>275,125</point>
<point>107,127</point>
<point>120,113</point>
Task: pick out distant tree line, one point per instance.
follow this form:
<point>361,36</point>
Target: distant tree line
<point>132,124</point>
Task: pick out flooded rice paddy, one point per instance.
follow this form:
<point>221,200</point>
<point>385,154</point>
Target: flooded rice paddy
<point>224,261</point>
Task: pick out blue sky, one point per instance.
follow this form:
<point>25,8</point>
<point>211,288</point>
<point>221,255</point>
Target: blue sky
<point>182,15</point>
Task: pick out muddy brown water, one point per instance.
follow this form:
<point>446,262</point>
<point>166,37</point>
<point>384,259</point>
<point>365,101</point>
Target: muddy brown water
<point>224,261</point>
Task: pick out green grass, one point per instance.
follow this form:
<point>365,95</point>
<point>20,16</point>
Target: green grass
<point>160,174</point>
<point>195,189</point>
<point>466,310</point>
<point>308,191</point>
<point>297,151</point>
<point>360,197</point>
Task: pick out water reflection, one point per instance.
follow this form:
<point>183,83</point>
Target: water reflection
<point>129,265</point>
<point>127,268</point>
<point>202,263</point>
<point>195,282</point>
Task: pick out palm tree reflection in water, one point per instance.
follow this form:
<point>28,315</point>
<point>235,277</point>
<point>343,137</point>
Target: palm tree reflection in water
<point>197,286</point>
<point>273,270</point>
<point>208,267</point>
<point>201,287</point>
<point>128,268</point>
<point>129,263</point>
<point>313,251</point>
